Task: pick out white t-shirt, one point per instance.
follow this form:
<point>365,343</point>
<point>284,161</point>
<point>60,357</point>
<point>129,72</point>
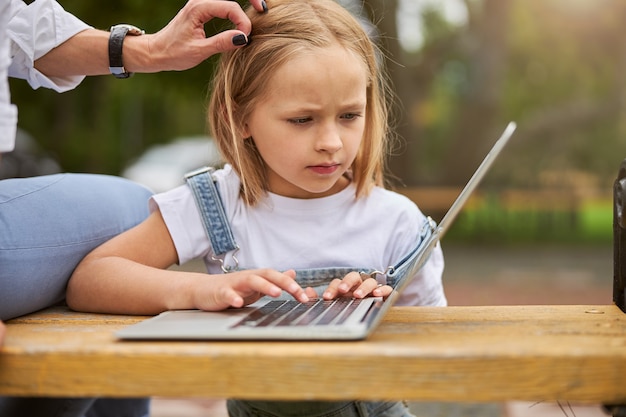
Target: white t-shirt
<point>286,233</point>
<point>27,32</point>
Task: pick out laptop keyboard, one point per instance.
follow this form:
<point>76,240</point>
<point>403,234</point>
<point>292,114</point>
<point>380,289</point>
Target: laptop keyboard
<point>293,313</point>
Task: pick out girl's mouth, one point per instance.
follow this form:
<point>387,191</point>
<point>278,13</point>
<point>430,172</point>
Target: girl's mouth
<point>324,169</point>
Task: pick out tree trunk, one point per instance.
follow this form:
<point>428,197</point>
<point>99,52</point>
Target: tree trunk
<point>479,120</point>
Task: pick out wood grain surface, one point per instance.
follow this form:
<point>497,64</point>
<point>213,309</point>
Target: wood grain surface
<point>479,354</point>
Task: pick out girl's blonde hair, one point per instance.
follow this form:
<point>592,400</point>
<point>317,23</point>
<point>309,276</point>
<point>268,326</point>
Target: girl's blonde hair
<point>291,27</point>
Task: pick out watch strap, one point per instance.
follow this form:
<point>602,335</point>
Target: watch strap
<point>116,42</point>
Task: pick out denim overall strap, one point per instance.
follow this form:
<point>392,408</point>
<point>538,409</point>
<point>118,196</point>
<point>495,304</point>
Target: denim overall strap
<point>209,204</point>
<point>314,277</point>
<point>416,258</point>
<point>393,275</point>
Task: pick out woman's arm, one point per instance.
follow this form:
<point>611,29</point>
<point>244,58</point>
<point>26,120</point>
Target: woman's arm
<point>180,45</point>
<point>127,275</point>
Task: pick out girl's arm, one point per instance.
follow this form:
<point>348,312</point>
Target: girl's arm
<point>128,275</point>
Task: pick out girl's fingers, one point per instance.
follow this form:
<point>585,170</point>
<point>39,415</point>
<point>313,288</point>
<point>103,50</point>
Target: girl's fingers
<point>366,288</point>
<point>351,281</point>
<point>354,285</point>
<point>310,292</point>
<point>382,291</point>
<point>332,290</point>
<point>285,281</point>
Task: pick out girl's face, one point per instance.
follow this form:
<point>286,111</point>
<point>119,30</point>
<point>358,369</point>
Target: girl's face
<point>309,126</point>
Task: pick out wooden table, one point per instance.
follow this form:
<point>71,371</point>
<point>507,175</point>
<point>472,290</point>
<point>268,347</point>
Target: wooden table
<point>535,353</point>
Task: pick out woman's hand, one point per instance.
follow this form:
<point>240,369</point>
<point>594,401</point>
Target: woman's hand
<point>353,285</point>
<point>183,43</point>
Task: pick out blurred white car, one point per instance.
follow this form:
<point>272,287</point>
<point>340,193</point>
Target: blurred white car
<point>162,167</point>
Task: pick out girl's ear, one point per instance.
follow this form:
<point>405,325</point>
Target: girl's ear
<point>245,131</point>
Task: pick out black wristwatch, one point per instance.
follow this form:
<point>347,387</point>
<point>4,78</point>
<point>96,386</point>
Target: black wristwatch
<point>116,41</point>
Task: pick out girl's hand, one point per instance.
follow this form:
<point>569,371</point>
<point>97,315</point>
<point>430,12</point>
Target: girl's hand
<point>238,289</point>
<point>353,285</point>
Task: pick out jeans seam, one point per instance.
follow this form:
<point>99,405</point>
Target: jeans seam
<point>50,184</point>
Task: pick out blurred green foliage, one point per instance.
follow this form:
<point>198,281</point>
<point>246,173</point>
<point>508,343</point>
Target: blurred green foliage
<point>492,223</point>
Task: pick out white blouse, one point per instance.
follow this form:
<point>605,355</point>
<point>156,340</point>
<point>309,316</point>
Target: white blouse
<point>27,32</point>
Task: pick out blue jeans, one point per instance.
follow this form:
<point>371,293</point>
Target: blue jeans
<point>47,225</point>
<point>239,408</point>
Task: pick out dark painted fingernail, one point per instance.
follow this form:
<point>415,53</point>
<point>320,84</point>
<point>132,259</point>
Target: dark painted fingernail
<point>264,5</point>
<point>239,40</point>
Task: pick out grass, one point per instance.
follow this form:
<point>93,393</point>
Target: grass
<point>490,222</point>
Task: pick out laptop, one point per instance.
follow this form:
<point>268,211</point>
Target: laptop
<point>341,319</point>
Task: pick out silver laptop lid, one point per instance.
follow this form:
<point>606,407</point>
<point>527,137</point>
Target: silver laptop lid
<point>473,182</point>
<point>439,230</point>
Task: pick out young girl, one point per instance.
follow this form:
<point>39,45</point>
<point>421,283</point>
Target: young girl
<point>300,117</point>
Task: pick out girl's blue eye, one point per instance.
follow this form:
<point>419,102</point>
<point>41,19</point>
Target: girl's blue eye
<point>350,116</point>
<point>300,120</point>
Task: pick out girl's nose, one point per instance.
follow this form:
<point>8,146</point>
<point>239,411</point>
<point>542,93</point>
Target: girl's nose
<point>329,139</point>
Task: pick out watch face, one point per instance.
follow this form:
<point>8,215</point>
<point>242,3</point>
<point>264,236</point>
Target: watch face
<point>135,31</point>
<point>132,30</point>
